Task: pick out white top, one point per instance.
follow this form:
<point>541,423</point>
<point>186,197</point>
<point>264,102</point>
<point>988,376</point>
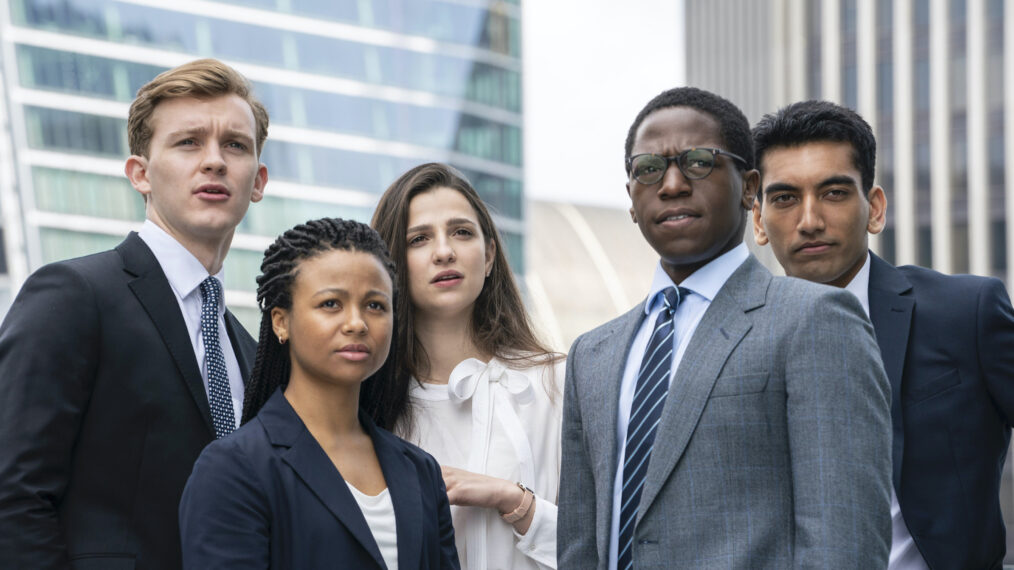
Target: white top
<point>500,422</point>
<point>704,285</point>
<point>185,274</point>
<point>378,510</point>
<point>905,554</point>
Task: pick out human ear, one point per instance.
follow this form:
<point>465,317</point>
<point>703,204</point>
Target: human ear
<point>759,235</point>
<point>878,210</point>
<point>259,183</point>
<point>280,324</point>
<point>490,256</point>
<point>751,183</point>
<point>136,169</point>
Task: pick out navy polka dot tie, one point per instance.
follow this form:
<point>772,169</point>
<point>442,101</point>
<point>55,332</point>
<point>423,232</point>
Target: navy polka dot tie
<point>645,414</point>
<point>219,395</point>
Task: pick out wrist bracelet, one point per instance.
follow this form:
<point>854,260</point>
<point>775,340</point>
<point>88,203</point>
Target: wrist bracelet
<point>527,498</point>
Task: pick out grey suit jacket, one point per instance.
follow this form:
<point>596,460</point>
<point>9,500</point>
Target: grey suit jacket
<point>774,448</point>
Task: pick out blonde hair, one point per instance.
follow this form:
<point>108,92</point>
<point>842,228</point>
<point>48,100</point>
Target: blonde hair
<point>198,78</point>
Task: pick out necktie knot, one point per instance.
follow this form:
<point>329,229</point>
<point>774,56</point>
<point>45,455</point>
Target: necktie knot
<point>673,296</point>
<point>211,291</point>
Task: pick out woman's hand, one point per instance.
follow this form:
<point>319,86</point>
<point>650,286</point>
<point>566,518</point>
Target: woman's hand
<point>465,488</point>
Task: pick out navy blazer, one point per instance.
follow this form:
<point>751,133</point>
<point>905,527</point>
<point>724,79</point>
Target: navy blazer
<point>268,496</point>
<point>948,348</point>
<point>103,412</point>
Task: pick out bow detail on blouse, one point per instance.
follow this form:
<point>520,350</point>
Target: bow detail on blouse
<point>467,375</point>
<point>490,388</point>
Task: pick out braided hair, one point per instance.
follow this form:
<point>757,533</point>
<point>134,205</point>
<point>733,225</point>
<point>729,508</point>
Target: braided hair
<point>274,289</point>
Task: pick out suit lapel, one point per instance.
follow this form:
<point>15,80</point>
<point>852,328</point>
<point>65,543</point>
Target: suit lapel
<point>720,330</point>
<point>611,350</point>
<point>305,456</point>
<point>403,484</point>
<point>152,289</point>
<point>891,313</point>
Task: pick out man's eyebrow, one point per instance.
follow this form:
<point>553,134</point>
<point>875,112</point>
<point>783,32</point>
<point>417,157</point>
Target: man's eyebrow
<point>188,131</point>
<point>779,187</point>
<point>837,179</point>
<point>238,134</point>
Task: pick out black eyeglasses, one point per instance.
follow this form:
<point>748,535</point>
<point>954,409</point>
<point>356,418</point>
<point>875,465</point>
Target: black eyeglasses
<point>694,163</point>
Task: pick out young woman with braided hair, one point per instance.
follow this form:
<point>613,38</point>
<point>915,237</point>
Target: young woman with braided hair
<point>308,481</point>
<point>468,380</point>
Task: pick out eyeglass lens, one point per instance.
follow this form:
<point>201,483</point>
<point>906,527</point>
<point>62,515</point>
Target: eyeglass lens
<point>695,164</point>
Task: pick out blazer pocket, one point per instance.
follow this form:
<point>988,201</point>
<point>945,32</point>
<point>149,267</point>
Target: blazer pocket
<point>739,385</point>
<point>926,390</point>
<point>103,562</point>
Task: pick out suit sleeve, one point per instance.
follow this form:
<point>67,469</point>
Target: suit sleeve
<point>48,358</point>
<point>839,426</point>
<point>224,514</point>
<point>996,346</point>
<point>576,547</point>
<point>539,543</point>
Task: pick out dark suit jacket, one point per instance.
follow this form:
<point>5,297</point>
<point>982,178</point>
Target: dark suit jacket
<point>268,496</point>
<point>948,349</point>
<point>103,412</point>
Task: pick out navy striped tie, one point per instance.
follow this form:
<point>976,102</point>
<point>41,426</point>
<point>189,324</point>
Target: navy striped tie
<point>219,394</point>
<point>645,413</point>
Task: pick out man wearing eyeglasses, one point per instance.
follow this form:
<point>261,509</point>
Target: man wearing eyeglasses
<point>733,419</point>
<point>947,341</point>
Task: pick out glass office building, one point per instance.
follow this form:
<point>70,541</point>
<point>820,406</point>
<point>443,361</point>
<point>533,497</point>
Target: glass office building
<point>358,92</point>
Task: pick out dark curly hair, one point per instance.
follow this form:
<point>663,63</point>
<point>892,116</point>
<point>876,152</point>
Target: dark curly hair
<point>818,121</point>
<point>274,289</point>
<point>732,124</point>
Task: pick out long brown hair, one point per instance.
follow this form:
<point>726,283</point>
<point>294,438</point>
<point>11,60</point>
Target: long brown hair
<point>499,325</point>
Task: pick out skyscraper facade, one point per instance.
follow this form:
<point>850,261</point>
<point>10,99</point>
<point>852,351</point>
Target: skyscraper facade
<point>935,80</point>
<point>358,91</point>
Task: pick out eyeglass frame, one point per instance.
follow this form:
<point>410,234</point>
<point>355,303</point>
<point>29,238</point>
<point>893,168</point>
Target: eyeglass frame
<point>676,159</point>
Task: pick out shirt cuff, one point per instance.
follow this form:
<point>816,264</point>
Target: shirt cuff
<point>539,543</point>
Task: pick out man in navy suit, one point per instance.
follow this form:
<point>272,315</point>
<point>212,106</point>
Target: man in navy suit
<point>947,342</point>
<point>116,369</point>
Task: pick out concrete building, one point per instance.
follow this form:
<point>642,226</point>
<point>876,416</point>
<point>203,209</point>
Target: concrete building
<point>933,78</point>
<point>358,92</point>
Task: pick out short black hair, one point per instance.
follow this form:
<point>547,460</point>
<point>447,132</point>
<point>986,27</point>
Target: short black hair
<point>733,126</point>
<point>274,289</point>
<point>819,121</point>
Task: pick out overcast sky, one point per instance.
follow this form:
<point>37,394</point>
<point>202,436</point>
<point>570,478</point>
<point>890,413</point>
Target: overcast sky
<point>589,67</point>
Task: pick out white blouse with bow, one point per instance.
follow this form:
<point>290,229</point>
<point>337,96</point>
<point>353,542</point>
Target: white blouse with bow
<point>505,423</point>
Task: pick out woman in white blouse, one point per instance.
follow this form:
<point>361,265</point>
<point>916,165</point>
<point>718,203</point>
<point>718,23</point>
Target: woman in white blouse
<point>468,381</point>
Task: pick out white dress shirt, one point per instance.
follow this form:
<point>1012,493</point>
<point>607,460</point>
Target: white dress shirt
<point>505,423</point>
<point>905,554</point>
<point>378,510</point>
<point>185,274</point>
<point>704,285</point>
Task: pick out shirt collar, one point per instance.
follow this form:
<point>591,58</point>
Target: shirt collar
<point>705,282</point>
<point>860,285</point>
<point>184,272</point>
